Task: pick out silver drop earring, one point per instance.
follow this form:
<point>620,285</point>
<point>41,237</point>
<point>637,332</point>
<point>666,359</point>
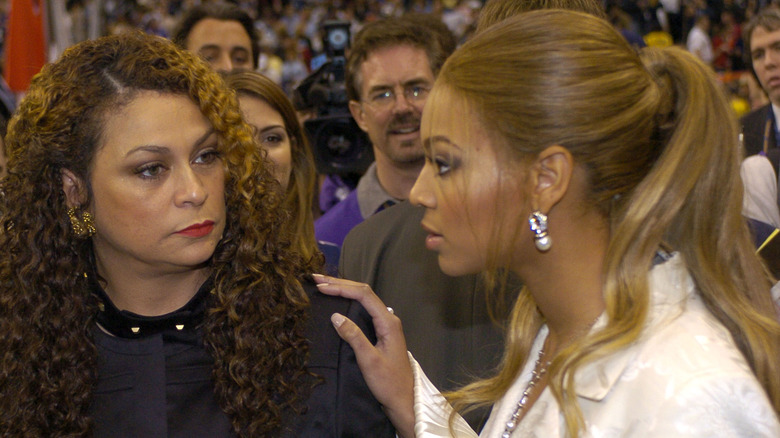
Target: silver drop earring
<point>538,223</point>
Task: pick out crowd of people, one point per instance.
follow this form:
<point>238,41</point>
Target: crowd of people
<point>291,39</point>
<point>560,234</point>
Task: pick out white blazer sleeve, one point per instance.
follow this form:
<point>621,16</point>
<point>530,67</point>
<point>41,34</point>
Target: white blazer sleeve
<point>432,411</point>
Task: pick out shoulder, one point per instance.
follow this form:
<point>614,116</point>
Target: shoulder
<point>390,222</point>
<point>341,403</point>
<point>336,222</point>
<point>388,241</point>
<point>686,378</point>
<point>727,406</point>
<point>324,341</point>
<point>322,306</point>
<point>707,389</point>
<point>348,205</point>
<point>757,115</point>
<point>683,340</point>
<point>693,360</point>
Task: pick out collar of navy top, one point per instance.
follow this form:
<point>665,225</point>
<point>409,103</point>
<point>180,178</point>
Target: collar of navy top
<point>125,324</point>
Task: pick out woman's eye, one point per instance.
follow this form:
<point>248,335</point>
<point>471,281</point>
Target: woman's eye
<point>150,171</point>
<point>207,157</point>
<point>272,139</point>
<point>442,167</point>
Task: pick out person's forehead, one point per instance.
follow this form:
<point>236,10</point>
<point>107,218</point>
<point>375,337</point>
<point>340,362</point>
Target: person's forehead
<point>396,52</point>
<point>222,33</point>
<point>256,107</point>
<point>395,63</point>
<point>762,36</point>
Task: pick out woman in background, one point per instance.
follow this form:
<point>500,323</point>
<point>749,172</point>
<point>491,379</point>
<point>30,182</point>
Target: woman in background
<point>267,109</point>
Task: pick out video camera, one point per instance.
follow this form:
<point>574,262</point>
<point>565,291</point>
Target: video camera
<point>339,145</point>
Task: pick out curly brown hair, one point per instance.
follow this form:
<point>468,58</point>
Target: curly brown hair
<point>255,317</point>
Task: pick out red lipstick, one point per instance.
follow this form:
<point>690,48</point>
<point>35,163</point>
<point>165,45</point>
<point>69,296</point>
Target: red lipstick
<point>197,230</point>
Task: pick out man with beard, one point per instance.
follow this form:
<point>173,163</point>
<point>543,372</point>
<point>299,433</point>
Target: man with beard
<point>390,71</point>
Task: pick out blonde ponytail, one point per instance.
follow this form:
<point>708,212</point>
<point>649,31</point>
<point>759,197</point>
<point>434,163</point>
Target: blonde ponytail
<point>659,142</point>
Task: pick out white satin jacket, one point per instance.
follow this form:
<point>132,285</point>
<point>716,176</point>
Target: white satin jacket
<point>684,377</point>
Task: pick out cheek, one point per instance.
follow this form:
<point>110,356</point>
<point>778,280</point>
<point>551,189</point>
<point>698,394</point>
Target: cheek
<point>493,215</point>
<point>119,199</point>
<point>118,214</point>
<point>463,217</point>
<point>282,159</point>
<point>483,202</point>
<point>376,121</point>
<point>217,186</point>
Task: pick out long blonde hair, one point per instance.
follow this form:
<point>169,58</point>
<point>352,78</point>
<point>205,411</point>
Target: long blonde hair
<point>659,143</point>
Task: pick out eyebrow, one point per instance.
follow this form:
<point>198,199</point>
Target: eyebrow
<point>212,46</point>
<point>410,82</point>
<point>209,47</point>
<point>438,139</point>
<point>270,127</point>
<point>164,149</point>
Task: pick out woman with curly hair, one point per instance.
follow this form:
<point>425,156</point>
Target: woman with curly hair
<point>608,181</point>
<point>149,285</point>
<point>272,116</point>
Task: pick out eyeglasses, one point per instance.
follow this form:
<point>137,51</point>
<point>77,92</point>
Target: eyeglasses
<point>384,99</point>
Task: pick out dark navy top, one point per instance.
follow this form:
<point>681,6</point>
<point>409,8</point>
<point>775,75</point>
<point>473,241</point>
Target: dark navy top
<point>154,376</point>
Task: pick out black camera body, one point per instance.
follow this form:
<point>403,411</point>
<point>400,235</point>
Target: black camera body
<point>338,144</point>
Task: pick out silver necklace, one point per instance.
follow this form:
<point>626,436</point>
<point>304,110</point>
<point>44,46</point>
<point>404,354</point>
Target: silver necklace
<point>536,375</point>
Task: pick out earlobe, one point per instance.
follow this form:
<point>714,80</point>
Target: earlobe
<point>74,189</point>
<point>356,109</point>
<point>551,176</point>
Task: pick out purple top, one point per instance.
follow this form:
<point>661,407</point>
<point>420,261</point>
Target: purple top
<point>333,226</point>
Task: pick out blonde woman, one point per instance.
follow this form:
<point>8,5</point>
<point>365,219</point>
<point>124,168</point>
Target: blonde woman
<point>608,181</point>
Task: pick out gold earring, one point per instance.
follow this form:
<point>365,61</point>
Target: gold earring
<point>84,227</point>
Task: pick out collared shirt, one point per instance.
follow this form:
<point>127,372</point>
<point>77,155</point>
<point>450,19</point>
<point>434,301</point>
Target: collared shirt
<point>368,198</point>
<point>372,197</point>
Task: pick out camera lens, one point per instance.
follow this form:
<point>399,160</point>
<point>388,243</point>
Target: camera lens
<point>337,39</point>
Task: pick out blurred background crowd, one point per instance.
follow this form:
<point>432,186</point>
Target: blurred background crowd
<point>291,43</point>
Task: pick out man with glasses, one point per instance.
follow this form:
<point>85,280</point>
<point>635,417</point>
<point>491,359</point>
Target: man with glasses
<point>445,319</point>
<point>390,71</point>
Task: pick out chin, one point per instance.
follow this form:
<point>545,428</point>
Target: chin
<point>198,259</point>
<point>455,268</point>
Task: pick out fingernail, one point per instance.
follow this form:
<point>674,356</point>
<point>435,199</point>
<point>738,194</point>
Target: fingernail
<point>337,319</point>
<point>317,275</point>
<point>322,284</point>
